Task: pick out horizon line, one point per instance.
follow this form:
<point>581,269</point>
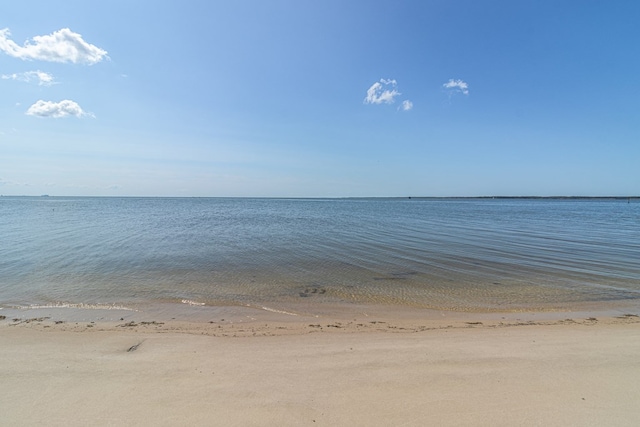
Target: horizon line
<point>327,197</point>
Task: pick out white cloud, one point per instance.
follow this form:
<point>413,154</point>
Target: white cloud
<point>382,92</point>
<point>56,109</point>
<point>457,86</point>
<point>406,105</point>
<point>43,79</point>
<point>60,46</point>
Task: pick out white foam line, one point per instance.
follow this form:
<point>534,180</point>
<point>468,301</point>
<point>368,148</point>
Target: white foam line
<point>188,301</point>
<point>273,310</point>
<point>80,305</point>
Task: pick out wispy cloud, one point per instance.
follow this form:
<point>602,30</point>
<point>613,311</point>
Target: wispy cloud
<point>8,182</point>
<point>457,86</point>
<point>406,105</point>
<point>60,46</point>
<point>382,92</point>
<point>57,110</point>
<point>385,92</point>
<point>8,132</point>
<point>43,79</point>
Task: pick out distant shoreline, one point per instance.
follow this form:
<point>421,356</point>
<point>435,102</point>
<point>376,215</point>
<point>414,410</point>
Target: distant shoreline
<point>45,196</point>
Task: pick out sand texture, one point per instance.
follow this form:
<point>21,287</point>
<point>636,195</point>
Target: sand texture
<point>583,372</point>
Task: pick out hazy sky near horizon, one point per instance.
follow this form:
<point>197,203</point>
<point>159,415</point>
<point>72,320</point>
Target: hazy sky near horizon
<point>320,98</point>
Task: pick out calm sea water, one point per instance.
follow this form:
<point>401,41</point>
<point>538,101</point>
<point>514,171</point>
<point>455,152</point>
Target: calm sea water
<point>476,254</point>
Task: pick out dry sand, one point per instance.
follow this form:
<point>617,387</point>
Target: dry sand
<point>469,371</point>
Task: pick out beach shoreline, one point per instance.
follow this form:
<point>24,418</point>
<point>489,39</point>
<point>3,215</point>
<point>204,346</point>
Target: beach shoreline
<point>512,369</point>
<point>287,319</point>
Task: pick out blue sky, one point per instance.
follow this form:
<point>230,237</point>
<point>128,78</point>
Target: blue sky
<point>320,98</point>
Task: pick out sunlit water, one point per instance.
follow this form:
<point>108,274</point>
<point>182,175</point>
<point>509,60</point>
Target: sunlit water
<point>473,254</point>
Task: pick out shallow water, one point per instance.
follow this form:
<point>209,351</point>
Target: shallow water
<point>462,254</point>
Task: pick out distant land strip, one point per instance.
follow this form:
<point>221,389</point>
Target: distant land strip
<point>628,198</point>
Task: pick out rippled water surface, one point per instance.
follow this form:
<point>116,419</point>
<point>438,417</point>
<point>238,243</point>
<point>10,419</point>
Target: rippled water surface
<point>465,254</point>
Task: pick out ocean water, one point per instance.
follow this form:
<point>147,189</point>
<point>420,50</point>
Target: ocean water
<point>458,254</point>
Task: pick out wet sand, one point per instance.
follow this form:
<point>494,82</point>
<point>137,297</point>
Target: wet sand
<point>244,367</point>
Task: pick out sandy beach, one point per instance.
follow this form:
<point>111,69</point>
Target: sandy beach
<point>511,369</point>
